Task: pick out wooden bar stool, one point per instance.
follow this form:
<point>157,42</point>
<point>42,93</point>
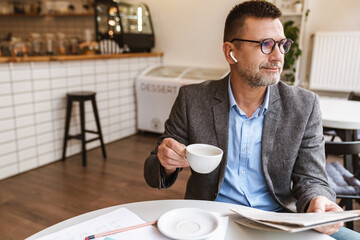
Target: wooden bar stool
<point>81,97</point>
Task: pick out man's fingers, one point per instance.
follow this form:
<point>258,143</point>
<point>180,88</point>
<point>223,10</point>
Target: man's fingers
<point>171,154</point>
<point>318,207</point>
<point>322,204</point>
<point>333,208</point>
<point>175,146</point>
<point>170,162</point>
<point>330,229</point>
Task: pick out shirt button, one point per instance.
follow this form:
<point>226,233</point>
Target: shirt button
<point>244,149</point>
<point>246,123</point>
<point>243,172</point>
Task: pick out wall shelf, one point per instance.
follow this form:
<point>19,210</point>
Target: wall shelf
<point>289,14</point>
<point>49,15</point>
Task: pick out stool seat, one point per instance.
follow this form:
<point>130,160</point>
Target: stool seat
<point>81,97</point>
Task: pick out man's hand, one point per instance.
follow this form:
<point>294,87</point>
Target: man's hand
<point>321,204</point>
<point>171,155</point>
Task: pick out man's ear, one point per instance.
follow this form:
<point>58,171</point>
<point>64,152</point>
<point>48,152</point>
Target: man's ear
<point>228,49</point>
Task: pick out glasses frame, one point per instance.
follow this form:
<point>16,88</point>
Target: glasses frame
<point>262,42</point>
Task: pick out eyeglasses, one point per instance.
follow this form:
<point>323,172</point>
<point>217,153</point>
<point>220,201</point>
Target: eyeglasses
<point>268,45</point>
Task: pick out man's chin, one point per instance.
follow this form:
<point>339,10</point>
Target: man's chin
<point>265,80</point>
<point>265,83</point>
<point>271,81</point>
<point>274,82</point>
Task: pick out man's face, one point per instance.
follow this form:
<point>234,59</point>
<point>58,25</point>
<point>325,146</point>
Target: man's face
<point>254,66</point>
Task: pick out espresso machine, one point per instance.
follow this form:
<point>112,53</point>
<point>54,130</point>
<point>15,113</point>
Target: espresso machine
<point>128,25</point>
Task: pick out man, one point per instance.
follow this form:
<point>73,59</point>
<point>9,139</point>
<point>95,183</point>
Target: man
<point>271,133</point>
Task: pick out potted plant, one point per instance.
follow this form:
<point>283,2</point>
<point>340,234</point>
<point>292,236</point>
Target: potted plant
<point>291,31</point>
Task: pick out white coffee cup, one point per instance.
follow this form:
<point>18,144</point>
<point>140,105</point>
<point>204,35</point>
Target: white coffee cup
<point>203,158</point>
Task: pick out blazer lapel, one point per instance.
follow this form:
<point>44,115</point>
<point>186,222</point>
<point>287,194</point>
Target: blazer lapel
<point>271,122</point>
<point>221,120</point>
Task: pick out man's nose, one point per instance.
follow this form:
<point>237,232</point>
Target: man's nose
<point>276,55</point>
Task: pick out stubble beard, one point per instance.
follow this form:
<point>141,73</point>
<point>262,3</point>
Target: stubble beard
<point>257,78</point>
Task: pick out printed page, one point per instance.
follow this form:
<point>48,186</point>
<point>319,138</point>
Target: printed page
<point>277,226</point>
<point>114,220</point>
<point>296,219</point>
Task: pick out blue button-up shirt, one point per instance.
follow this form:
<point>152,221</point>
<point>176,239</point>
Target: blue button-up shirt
<point>244,181</point>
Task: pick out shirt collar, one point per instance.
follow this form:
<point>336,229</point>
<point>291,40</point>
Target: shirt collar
<point>263,107</point>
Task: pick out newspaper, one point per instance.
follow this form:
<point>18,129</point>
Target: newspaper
<point>291,222</point>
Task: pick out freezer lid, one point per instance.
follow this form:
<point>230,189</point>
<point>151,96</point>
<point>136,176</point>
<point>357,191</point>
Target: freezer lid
<point>166,71</point>
<point>205,74</point>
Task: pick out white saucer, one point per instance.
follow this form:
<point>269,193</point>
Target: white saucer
<point>188,223</point>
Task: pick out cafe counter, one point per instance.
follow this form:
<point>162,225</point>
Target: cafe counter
<point>33,100</point>
<point>77,57</point>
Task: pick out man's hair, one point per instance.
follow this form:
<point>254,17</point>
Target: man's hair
<point>237,16</point>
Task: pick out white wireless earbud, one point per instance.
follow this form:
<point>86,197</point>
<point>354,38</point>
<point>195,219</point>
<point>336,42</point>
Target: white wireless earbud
<point>232,56</point>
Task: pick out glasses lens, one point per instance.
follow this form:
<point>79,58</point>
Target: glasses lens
<point>285,45</point>
<point>267,46</point>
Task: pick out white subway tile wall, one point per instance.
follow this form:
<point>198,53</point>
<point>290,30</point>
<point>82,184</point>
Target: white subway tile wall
<point>33,103</point>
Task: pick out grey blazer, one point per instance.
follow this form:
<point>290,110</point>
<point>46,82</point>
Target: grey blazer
<point>292,150</point>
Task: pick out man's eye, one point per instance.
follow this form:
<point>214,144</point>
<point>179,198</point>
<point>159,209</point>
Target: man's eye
<point>267,44</point>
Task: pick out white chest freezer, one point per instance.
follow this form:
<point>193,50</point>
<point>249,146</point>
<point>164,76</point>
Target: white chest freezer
<point>157,88</point>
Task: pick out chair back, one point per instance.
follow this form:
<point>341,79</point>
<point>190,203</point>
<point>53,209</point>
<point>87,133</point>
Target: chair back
<point>344,183</point>
<point>354,96</point>
<point>342,148</point>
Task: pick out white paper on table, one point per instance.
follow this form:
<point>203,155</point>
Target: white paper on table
<point>117,219</point>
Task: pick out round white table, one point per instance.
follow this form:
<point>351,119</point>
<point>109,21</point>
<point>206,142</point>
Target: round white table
<point>152,210</point>
<point>340,113</point>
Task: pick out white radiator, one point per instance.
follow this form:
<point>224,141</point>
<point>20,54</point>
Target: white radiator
<point>335,64</point>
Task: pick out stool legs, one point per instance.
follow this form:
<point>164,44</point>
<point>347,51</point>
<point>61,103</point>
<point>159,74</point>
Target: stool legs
<point>83,130</point>
<point>67,126</point>
<point>82,135</point>
<point>98,126</point>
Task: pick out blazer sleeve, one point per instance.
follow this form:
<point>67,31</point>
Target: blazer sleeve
<point>175,127</point>
<point>309,173</point>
